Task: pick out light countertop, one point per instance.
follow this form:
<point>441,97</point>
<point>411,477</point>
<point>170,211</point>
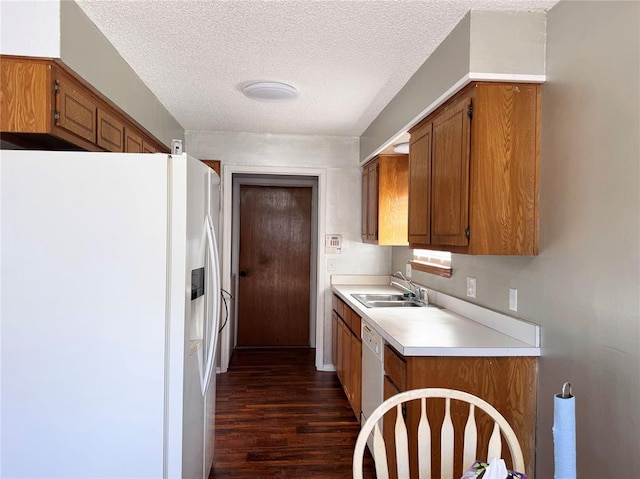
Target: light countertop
<point>432,331</point>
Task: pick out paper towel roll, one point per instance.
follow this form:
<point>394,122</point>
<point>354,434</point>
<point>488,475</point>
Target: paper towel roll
<point>564,435</point>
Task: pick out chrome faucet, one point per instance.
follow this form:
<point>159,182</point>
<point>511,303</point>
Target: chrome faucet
<point>398,274</point>
<point>408,290</point>
<point>422,295</point>
<point>419,293</point>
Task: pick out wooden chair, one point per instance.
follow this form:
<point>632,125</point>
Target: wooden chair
<point>470,438</point>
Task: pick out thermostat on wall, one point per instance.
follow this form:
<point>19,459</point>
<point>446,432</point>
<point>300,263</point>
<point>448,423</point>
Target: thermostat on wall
<point>333,244</point>
<point>176,147</point>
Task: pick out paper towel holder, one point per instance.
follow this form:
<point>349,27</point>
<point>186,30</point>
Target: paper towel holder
<point>564,394</point>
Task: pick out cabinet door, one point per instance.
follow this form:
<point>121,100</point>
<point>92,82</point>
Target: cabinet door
<point>344,348</point>
<point>450,175</point>
<point>110,132</point>
<point>339,350</point>
<point>346,360</point>
<point>365,203</point>
<point>148,147</point>
<point>75,109</point>
<point>132,141</point>
<point>356,375</point>
<point>334,339</point>
<point>420,185</point>
<point>372,201</point>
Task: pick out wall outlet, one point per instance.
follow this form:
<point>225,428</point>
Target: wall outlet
<point>513,299</point>
<point>331,264</point>
<point>407,271</point>
<point>471,287</point>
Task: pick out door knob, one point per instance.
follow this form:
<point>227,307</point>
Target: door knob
<point>243,273</point>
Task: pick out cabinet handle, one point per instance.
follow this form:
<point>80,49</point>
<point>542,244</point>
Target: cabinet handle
<point>244,273</point>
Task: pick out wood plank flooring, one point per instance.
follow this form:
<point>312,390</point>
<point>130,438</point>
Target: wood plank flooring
<point>277,417</point>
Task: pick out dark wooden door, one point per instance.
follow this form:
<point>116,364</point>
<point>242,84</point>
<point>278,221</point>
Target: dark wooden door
<point>274,265</point>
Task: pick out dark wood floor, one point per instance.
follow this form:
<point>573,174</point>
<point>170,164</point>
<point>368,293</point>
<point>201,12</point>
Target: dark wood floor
<point>277,417</point>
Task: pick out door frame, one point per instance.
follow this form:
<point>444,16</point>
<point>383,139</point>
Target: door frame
<point>227,340</point>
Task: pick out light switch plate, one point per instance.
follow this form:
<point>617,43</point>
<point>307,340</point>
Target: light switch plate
<point>513,299</point>
<point>407,271</point>
<point>331,264</point>
<point>471,287</point>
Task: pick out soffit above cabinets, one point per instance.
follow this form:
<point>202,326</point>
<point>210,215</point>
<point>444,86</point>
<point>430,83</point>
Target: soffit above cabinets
<point>346,59</point>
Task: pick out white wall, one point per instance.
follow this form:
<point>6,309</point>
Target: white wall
<point>337,158</point>
<point>30,28</point>
<point>583,288</point>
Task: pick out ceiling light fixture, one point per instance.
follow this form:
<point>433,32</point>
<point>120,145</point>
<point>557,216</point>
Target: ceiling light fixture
<point>401,147</point>
<point>270,91</point>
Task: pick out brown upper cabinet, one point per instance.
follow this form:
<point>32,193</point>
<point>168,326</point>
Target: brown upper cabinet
<point>110,131</point>
<point>473,172</point>
<point>43,104</point>
<point>385,182</point>
<point>74,110</point>
<point>133,141</point>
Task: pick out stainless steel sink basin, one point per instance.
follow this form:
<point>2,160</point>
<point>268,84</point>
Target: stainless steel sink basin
<point>393,304</point>
<point>387,301</point>
<point>379,297</point>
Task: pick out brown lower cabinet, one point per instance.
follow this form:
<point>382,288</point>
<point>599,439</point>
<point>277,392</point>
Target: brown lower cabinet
<point>508,383</point>
<point>347,351</point>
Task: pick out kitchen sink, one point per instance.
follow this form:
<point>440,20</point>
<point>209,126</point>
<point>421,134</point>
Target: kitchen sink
<point>393,304</point>
<point>388,301</point>
<point>380,297</point>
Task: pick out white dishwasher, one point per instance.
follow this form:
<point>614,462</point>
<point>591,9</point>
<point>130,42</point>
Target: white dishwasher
<point>372,373</point>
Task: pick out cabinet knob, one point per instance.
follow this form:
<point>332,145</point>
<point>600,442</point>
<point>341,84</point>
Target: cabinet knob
<point>244,273</point>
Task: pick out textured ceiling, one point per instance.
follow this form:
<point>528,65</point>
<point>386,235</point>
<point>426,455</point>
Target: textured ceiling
<point>348,59</point>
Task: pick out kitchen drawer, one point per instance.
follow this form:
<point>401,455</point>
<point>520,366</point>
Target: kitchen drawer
<point>334,302</point>
<point>395,367</point>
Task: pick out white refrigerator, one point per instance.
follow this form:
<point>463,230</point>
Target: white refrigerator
<point>109,315</point>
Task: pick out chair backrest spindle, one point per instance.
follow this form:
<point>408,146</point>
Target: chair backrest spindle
<point>402,444</point>
<point>495,443</point>
<point>446,443</point>
<point>424,443</point>
<point>382,471</point>
<point>470,437</point>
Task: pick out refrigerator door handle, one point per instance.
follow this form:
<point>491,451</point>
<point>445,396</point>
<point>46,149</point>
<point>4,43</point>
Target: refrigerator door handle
<point>214,319</point>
